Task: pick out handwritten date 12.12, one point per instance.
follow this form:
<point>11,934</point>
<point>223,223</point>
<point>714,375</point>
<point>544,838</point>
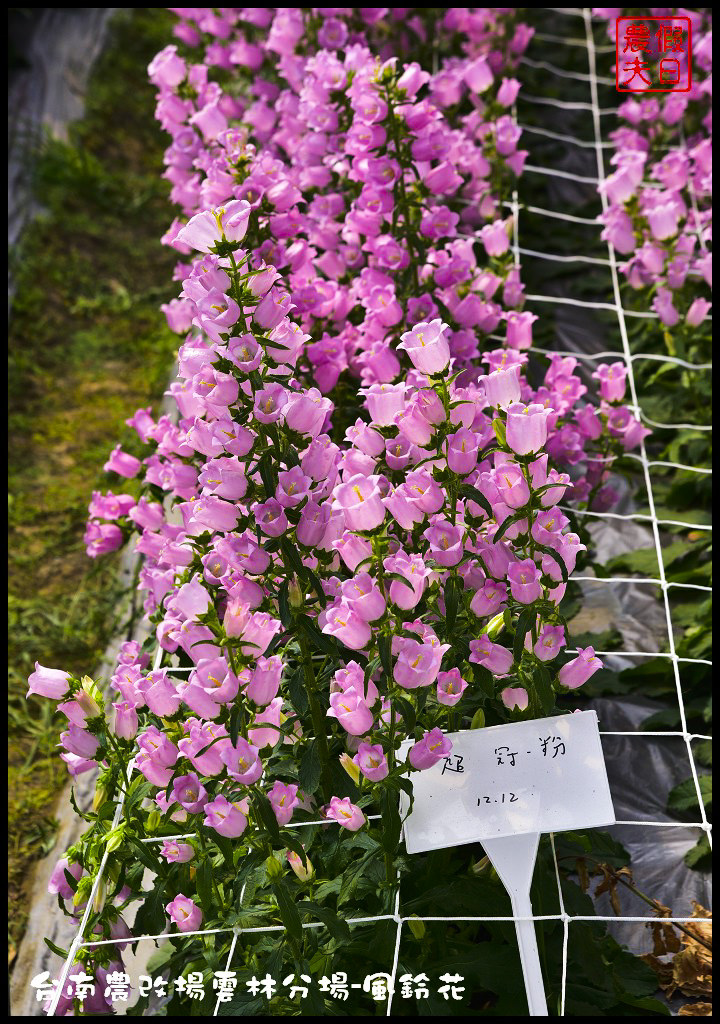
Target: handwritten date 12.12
<point>502,798</point>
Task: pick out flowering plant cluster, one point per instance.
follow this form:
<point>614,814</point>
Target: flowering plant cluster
<point>352,530</point>
<point>379,194</point>
<point>660,193</point>
<point>660,217</point>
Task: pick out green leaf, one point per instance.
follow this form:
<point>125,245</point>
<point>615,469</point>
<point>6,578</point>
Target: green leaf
<point>354,874</point>
<point>318,640</point>
<point>468,491</point>
<point>478,719</point>
<point>484,678</point>
<point>292,557</point>
<point>63,953</point>
<point>151,918</point>
<point>71,880</point>
<point>556,558</point>
<point>507,523</point>
<point>226,848</point>
<point>298,694</point>
<point>703,753</point>
<point>266,475</point>
<point>683,798</point>
<point>407,711</point>
<point>242,1004</point>
<point>288,910</point>
<point>234,724</point>
<point>385,652</point>
<point>524,625</point>
<point>262,806</point>
<point>394,577</point>
<point>543,686</point>
<point>310,769</point>
<point>391,823</point>
<point>700,857</point>
<point>284,605</point>
<point>654,1007</point>
<point>142,853</point>
<point>203,879</point>
<point>74,805</point>
<point>452,596</point>
<point>338,928</point>
<point>317,587</point>
<point>498,426</point>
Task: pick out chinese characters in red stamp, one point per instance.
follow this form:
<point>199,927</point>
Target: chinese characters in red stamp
<point>653,54</point>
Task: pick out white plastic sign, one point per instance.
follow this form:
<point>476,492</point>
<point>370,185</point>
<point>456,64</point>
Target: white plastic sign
<point>502,787</point>
<point>543,775</point>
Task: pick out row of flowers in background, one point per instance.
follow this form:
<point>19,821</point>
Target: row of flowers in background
<point>659,217</point>
<point>351,531</point>
<point>660,193</point>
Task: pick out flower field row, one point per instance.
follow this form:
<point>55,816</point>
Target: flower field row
<point>663,226</point>
<point>358,529</point>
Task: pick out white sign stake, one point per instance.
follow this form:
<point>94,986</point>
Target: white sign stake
<point>513,857</point>
<point>502,787</point>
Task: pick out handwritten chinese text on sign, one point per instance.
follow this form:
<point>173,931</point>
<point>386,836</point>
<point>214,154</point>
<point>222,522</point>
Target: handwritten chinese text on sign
<point>546,775</point>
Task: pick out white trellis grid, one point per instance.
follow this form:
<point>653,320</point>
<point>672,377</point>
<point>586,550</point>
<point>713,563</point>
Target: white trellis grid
<point>598,144</point>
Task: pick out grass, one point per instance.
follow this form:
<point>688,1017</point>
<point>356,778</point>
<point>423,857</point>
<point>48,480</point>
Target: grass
<point>87,346</point>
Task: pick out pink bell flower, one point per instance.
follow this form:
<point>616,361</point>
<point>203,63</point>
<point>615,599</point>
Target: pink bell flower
<point>345,813</point>
<point>175,852</point>
<point>417,664</point>
<point>242,761</point>
<point>351,711</point>
<point>580,669</point>
<point>347,625</point>
<point>48,682</point>
<point>450,687</point>
<point>360,500</point>
<point>524,579</point>
<point>550,641</point>
<point>493,657</point>
<point>363,595</point>
<point>514,698</point>
<point>502,387</point>
<point>189,792</point>
<point>433,747</point>
<point>372,762</point>
<point>527,428</point>
<point>283,799</point>
<point>427,346</point>
<point>184,913</point>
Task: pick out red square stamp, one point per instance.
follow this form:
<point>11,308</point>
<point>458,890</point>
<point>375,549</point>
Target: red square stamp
<point>653,54</point>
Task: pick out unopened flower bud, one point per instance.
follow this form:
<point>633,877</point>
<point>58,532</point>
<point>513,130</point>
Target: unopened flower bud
<point>89,698</point>
<point>80,896</point>
<point>114,838</point>
<point>495,626</point>
<point>100,896</point>
<point>274,869</point>
<point>416,926</point>
<point>296,595</point>
<point>350,767</point>
<point>100,796</point>
<point>302,868</point>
